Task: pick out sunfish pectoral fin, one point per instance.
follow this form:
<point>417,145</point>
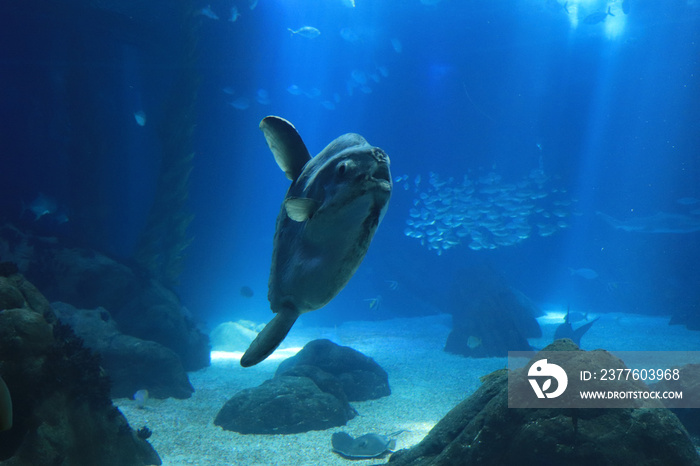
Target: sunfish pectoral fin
<point>300,209</point>
<point>286,145</point>
<point>269,338</point>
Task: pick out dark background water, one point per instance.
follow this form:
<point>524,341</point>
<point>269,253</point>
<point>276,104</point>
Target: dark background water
<point>611,115</point>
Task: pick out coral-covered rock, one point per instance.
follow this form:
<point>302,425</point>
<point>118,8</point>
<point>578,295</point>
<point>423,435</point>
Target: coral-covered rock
<point>87,279</point>
<point>131,363</point>
<point>283,405</point>
<point>62,412</point>
<point>359,375</point>
<point>10,296</point>
<point>484,430</point>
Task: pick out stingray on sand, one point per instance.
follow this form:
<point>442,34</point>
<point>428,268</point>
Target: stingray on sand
<point>364,446</point>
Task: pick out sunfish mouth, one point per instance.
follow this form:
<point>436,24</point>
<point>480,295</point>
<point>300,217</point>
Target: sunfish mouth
<point>382,177</point>
<point>381,173</point>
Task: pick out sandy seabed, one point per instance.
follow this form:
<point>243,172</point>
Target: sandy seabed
<point>425,383</point>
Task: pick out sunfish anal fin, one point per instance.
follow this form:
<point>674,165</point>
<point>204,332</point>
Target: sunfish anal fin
<point>269,338</point>
<point>286,145</point>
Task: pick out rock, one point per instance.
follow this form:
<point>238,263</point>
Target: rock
<point>62,412</point>
<point>16,289</point>
<point>131,363</point>
<point>328,383</point>
<point>360,376</point>
<point>488,317</point>
<point>310,391</point>
<point>685,408</point>
<point>155,313</point>
<point>87,279</point>
<point>231,336</point>
<point>687,315</point>
<point>283,405</point>
<point>10,296</point>
<point>483,430</point>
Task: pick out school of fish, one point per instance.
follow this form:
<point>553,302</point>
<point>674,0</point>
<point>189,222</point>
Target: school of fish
<point>484,212</point>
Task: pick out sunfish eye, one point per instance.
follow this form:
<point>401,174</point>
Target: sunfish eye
<point>342,168</point>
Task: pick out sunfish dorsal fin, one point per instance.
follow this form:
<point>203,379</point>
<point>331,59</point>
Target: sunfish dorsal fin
<point>286,145</point>
<point>300,209</point>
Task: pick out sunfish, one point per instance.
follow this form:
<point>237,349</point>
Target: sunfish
<point>327,220</point>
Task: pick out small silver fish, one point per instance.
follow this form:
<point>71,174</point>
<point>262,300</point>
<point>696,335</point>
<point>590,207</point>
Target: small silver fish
<point>235,14</point>
<point>326,223</point>
<point>374,303</point>
<point>140,117</point>
<point>309,32</point>
<point>208,12</point>
<point>597,17</point>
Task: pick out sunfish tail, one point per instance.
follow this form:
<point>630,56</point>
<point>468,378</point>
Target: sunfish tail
<point>269,338</point>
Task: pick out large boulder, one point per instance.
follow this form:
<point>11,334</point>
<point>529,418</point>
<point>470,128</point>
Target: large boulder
<point>131,363</point>
<point>484,430</point>
<point>87,279</point>
<point>489,318</point>
<point>283,405</point>
<point>685,408</point>
<point>62,411</point>
<point>360,376</point>
<point>310,391</point>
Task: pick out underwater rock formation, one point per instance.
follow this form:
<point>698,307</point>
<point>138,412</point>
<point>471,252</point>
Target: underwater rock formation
<point>131,363</point>
<point>688,315</point>
<point>484,430</point>
<point>689,384</point>
<point>141,306</point>
<point>360,376</point>
<point>164,238</point>
<point>310,391</point>
<point>232,336</point>
<point>489,318</point>
<point>283,405</point>
<point>62,412</point>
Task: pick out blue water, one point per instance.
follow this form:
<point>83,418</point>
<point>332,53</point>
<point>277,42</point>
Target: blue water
<point>608,112</point>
